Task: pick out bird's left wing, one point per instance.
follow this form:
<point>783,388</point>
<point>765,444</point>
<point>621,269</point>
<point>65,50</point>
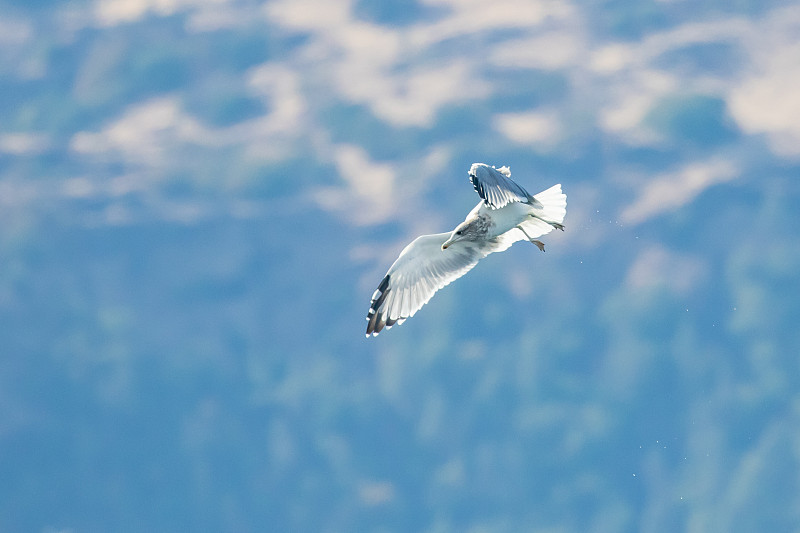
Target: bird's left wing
<point>495,186</point>
<point>422,269</point>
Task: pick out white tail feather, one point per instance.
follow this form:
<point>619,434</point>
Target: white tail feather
<point>554,204</point>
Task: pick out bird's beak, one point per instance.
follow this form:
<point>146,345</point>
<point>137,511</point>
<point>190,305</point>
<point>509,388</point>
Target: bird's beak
<point>449,242</point>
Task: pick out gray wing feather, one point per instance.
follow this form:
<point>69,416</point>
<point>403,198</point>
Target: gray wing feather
<point>496,187</point>
<point>422,269</point>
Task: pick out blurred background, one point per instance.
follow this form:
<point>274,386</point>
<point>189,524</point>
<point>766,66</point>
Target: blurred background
<point>198,198</point>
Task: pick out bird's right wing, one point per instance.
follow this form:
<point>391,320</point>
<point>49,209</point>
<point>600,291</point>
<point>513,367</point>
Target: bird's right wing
<point>495,186</point>
<point>422,269</point>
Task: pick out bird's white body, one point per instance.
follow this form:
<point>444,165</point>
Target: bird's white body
<point>506,214</point>
<point>517,220</point>
<point>503,219</point>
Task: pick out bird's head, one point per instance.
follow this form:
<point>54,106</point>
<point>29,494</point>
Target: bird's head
<point>465,231</point>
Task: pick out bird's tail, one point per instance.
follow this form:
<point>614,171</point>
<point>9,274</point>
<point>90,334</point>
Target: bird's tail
<point>553,206</point>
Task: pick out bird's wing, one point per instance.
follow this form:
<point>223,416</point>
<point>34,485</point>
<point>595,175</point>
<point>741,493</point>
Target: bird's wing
<point>422,269</point>
<point>495,186</point>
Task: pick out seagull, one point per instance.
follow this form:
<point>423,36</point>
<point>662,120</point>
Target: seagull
<point>506,214</point>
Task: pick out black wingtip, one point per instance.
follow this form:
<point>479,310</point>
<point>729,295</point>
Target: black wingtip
<point>478,186</point>
<point>375,318</point>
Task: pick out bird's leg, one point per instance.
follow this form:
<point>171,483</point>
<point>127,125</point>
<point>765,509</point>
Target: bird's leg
<point>554,224</point>
<point>539,244</point>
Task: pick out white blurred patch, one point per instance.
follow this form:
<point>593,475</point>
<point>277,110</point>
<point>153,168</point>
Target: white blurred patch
<point>413,98</point>
<point>79,188</point>
<point>632,101</point>
<point>23,143</point>
<point>281,89</point>
<point>114,12</point>
<point>152,132</point>
<point>375,492</point>
<point>14,31</point>
<point>309,14</point>
<point>370,193</point>
<point>631,81</point>
<point>472,16</point>
<point>365,178</point>
<point>612,58</point>
<point>657,266</point>
<point>767,100</point>
<point>222,17</point>
<point>368,196</point>
<point>389,70</point>
<point>615,57</point>
<point>670,191</point>
<point>542,129</point>
<point>145,134</point>
<point>451,474</point>
<point>550,51</point>
<point>19,193</point>
<point>519,283</point>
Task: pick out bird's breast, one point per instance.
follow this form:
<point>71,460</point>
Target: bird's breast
<point>506,217</point>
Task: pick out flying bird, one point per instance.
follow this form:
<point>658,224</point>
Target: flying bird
<point>506,214</point>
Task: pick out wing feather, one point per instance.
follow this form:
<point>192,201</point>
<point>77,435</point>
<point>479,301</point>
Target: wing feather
<point>495,186</point>
<point>422,269</point>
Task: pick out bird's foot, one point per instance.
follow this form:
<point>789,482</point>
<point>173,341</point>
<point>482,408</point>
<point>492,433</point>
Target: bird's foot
<point>539,244</point>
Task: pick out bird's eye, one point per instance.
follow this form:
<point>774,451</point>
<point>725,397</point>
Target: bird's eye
<point>458,232</point>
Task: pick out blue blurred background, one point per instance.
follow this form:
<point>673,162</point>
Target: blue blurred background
<point>198,198</point>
